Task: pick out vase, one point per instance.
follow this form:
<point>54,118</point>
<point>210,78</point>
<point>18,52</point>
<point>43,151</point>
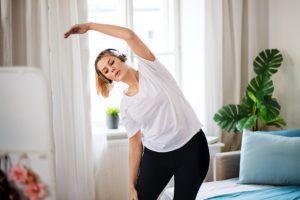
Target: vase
<point>232,141</point>
<point>112,121</point>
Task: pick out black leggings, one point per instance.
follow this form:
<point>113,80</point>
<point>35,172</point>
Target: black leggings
<point>189,165</point>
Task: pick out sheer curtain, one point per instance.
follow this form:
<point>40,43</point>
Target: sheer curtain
<point>32,35</point>
<point>235,32</point>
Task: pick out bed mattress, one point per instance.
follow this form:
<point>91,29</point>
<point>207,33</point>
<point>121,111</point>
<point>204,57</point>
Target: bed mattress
<point>210,189</point>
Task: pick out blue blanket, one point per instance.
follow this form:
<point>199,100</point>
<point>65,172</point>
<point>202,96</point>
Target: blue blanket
<point>278,193</point>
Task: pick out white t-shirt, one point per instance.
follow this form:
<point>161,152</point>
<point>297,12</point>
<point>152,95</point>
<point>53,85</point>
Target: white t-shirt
<point>159,109</point>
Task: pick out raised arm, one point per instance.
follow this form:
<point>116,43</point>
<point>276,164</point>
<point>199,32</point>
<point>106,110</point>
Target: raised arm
<point>133,41</point>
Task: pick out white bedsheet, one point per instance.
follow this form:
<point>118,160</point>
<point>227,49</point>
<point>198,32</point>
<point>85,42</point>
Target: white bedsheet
<point>210,189</point>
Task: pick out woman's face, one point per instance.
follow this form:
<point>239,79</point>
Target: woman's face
<point>111,67</point>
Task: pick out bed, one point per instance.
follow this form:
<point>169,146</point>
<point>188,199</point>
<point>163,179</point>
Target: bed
<point>216,188</point>
<point>226,186</point>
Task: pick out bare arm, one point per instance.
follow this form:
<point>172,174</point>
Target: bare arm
<point>133,41</point>
<point>135,155</point>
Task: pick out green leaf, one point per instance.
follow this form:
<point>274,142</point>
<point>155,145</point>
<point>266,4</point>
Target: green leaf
<point>261,87</point>
<point>278,122</point>
<point>252,96</point>
<point>114,111</point>
<point>247,103</point>
<point>267,62</point>
<point>272,109</point>
<point>246,123</point>
<point>241,123</point>
<point>263,112</point>
<point>228,116</point>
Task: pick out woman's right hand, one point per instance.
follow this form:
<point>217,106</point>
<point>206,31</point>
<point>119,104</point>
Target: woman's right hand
<point>133,194</point>
<point>77,29</point>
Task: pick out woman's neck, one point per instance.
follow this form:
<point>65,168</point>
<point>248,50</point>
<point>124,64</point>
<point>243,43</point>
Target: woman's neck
<point>132,78</point>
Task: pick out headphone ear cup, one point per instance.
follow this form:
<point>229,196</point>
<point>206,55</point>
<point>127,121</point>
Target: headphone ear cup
<point>123,57</point>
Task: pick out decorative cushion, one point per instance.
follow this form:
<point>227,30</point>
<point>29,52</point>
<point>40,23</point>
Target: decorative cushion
<point>288,133</point>
<point>269,159</point>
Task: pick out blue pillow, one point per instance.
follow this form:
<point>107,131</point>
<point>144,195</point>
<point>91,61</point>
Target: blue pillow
<point>288,133</point>
<point>269,159</point>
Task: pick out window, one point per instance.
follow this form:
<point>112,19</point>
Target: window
<point>155,22</point>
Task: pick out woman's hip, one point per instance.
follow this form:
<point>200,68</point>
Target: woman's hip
<point>197,145</point>
<point>198,141</point>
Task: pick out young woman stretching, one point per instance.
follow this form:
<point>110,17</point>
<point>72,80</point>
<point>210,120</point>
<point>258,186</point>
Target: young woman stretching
<point>165,135</point>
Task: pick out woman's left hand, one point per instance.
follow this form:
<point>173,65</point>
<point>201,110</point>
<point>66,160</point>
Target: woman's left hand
<point>77,29</point>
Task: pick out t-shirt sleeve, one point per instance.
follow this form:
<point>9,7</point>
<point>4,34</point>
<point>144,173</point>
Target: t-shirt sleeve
<point>131,126</point>
<point>154,67</point>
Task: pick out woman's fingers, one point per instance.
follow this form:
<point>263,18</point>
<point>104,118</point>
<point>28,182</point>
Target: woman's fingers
<point>133,194</point>
<point>68,33</point>
<point>72,30</point>
<point>77,29</point>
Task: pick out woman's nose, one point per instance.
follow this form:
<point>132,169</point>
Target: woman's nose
<point>112,69</point>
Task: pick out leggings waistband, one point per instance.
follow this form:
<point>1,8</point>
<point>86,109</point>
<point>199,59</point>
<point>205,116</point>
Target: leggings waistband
<point>190,142</point>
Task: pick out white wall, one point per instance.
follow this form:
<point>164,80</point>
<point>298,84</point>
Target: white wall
<point>192,52</point>
<point>284,33</point>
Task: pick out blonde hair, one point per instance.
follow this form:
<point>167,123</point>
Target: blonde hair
<point>102,87</point>
<point>103,84</point>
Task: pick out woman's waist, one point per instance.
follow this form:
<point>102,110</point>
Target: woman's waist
<point>171,146</point>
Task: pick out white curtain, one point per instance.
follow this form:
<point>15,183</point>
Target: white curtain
<point>32,34</point>
<point>235,32</point>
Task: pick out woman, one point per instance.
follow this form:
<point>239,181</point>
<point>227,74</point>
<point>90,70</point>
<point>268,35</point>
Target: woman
<point>172,141</point>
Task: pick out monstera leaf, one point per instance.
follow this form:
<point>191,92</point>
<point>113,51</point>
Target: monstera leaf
<point>261,87</point>
<point>246,123</point>
<point>269,109</point>
<point>247,103</point>
<point>278,122</point>
<point>228,116</point>
<point>267,62</point>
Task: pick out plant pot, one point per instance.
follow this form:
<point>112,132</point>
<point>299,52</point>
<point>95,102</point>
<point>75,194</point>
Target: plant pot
<point>232,141</point>
<point>112,121</point>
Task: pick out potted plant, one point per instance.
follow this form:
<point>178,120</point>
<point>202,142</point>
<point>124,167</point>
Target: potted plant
<point>112,117</point>
<point>258,108</point>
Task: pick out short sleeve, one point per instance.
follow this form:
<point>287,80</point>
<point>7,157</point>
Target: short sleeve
<point>155,68</point>
<point>155,65</point>
<point>131,126</point>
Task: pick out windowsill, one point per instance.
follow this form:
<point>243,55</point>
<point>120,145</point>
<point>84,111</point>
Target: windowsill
<point>111,134</point>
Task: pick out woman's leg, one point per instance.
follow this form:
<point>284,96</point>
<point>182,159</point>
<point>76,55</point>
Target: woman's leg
<point>192,167</point>
<point>155,171</point>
